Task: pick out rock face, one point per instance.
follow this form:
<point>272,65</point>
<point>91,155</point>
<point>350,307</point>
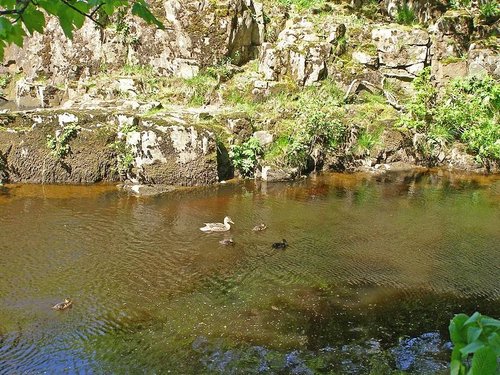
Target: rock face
<point>300,51</point>
<point>104,144</point>
<point>424,10</point>
<point>401,53</point>
<point>197,34</point>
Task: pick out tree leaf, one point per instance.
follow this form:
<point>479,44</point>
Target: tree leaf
<point>34,20</point>
<point>456,329</point>
<point>140,9</point>
<point>484,362</point>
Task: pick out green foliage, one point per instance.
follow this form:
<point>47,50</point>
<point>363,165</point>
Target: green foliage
<point>469,112</point>
<point>302,4</point>
<point>490,9</point>
<point>244,156</point>
<point>314,121</point>
<point>59,144</point>
<point>459,4</point>
<point>17,17</point>
<point>367,140</point>
<point>405,15</point>
<point>477,336</point>
<point>200,87</point>
<point>125,159</point>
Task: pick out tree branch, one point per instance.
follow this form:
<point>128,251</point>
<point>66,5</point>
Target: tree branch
<point>89,16</point>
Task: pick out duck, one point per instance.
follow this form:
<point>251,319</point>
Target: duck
<point>280,245</point>
<point>259,227</point>
<point>227,241</point>
<point>218,227</point>
<point>63,305</point>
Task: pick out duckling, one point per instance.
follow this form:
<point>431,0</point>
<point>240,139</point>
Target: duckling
<point>227,241</point>
<point>259,227</point>
<point>63,305</point>
<point>280,245</point>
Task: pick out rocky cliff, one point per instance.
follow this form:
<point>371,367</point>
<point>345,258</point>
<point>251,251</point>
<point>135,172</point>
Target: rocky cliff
<point>319,84</point>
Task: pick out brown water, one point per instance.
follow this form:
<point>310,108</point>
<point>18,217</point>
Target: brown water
<point>371,260</point>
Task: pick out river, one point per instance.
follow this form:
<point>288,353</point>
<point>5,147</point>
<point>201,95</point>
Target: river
<point>375,268</point>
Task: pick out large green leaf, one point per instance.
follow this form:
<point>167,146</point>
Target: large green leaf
<point>473,333</point>
<point>34,20</point>
<point>472,348</point>
<point>456,329</point>
<point>474,317</point>
<point>140,8</point>
<point>490,322</point>
<point>456,367</point>
<point>484,362</point>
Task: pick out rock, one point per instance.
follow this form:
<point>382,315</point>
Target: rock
<point>365,59</point>
<point>461,160</point>
<point>264,137</point>
<point>37,95</point>
<point>484,61</point>
<point>424,10</point>
<point>300,51</point>
<point>146,190</point>
<point>272,174</point>
<point>198,33</point>
<point>399,48</point>
<point>160,153</point>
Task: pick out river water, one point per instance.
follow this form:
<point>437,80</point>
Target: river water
<point>376,267</point>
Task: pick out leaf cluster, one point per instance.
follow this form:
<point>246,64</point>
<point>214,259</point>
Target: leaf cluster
<point>19,18</point>
<point>244,156</point>
<point>468,111</point>
<point>59,144</point>
<point>477,336</point>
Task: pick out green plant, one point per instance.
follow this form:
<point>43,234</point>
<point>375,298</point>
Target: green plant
<point>302,4</point>
<point>468,111</point>
<point>199,88</point>
<point>405,15</point>
<point>477,336</point>
<point>59,144</point>
<point>125,155</point>
<point>459,4</point>
<point>367,140</point>
<point>490,9</point>
<point>244,156</point>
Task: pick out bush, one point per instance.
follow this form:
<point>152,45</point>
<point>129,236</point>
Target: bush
<point>244,156</point>
<point>405,15</point>
<point>59,144</point>
<point>477,336</point>
<point>469,112</point>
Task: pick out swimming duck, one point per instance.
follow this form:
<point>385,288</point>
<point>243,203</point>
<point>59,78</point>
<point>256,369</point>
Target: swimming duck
<point>218,227</point>
<point>280,245</point>
<point>63,305</point>
<point>259,227</point>
<point>227,241</point>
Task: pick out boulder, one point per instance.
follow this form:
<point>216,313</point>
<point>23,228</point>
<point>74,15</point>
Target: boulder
<point>484,61</point>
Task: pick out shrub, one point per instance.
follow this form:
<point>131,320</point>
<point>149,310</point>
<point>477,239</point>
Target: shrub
<point>490,9</point>
<point>469,112</point>
<point>405,15</point>
<point>59,144</point>
<point>244,156</point>
<point>477,336</point>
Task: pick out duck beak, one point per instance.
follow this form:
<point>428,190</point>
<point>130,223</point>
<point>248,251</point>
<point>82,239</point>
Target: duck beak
<point>230,221</point>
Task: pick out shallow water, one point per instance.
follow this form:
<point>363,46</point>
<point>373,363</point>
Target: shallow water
<point>372,262</point>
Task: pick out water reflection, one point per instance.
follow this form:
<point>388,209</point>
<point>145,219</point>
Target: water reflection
<point>371,259</point>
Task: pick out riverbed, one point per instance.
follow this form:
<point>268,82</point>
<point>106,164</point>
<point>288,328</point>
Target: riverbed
<point>375,268</point>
